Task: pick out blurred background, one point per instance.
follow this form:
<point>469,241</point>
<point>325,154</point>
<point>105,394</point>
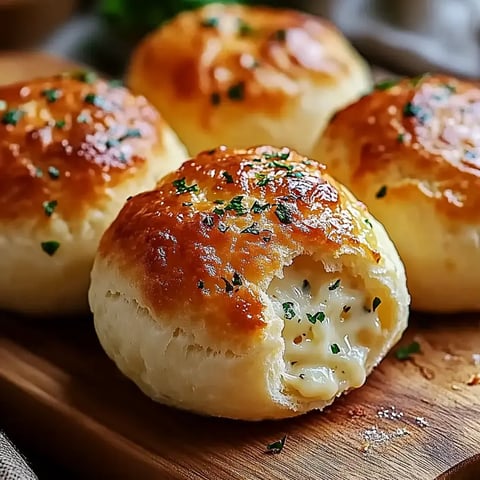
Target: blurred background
<point>404,36</point>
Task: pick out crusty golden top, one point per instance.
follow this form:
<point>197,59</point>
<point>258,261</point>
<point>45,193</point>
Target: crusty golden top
<point>225,221</point>
<point>416,135</point>
<point>65,139</point>
<point>226,54</point>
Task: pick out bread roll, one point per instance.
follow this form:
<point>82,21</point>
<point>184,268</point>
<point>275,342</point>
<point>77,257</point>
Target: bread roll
<point>241,76</point>
<point>411,152</point>
<point>72,149</point>
<point>249,285</point>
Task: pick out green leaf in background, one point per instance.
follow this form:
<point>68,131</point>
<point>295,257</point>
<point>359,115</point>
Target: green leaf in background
<point>137,17</point>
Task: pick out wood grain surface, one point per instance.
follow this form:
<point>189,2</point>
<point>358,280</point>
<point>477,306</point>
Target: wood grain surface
<point>61,395</point>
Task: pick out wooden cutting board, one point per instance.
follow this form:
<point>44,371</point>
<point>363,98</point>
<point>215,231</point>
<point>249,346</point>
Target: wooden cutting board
<point>63,397</point>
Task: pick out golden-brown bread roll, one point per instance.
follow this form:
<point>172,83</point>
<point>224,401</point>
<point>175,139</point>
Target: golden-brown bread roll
<point>240,76</point>
<point>249,285</point>
<point>72,149</point>
<point>411,151</point>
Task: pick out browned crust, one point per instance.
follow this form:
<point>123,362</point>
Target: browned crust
<point>189,252</point>
<point>66,139</point>
<point>420,138</point>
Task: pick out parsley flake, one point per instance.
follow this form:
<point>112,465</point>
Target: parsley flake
<point>235,204</point>
<point>219,202</point>
<point>223,227</point>
<point>60,124</point>
<point>257,207</point>
<point>385,84</point>
<point>208,221</point>
<point>50,247</point>
<point>334,348</point>
<point>284,214</point>
<point>200,284</point>
<point>219,211</point>
<point>182,187</point>
<point>334,285</point>
<point>228,285</point>
<point>237,280</point>
<point>262,179</point>
<point>277,447</point>
<point>12,117</point>
<point>368,222</point>
<point>381,192</point>
<point>211,22</point>
<point>295,174</point>
<point>318,317</point>
<point>278,164</point>
<point>252,229</point>
<point>53,172</point>
<point>52,94</point>
<point>288,311</point>
<point>404,353</point>
<point>236,92</point>
<point>227,177</point>
<point>244,28</point>
<point>131,133</point>
<point>49,207</point>
<point>376,303</point>
<point>411,110</point>
<point>85,76</point>
<point>276,155</point>
<point>400,137</point>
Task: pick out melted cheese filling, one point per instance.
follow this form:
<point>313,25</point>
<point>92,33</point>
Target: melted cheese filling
<point>330,323</point>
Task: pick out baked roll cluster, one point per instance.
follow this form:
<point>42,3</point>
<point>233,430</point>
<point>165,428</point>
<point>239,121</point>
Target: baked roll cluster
<point>241,76</point>
<point>72,149</point>
<point>411,151</point>
<point>249,284</point>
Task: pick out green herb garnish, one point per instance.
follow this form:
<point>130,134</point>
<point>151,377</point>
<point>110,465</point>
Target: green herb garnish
<point>211,22</point>
<point>262,179</point>
<point>276,155</point>
<point>400,137</point>
<point>257,207</point>
<point>404,353</point>
<point>376,303</point>
<point>318,317</point>
<point>411,110</point>
<point>52,94</point>
<point>237,281</point>
<point>381,192</point>
<point>335,348</point>
<point>368,222</point>
<point>208,221</point>
<point>12,117</point>
<point>131,133</point>
<point>228,285</point>
<point>50,247</point>
<point>223,227</point>
<point>200,284</point>
<point>53,172</point>
<point>182,187</point>
<point>60,124</point>
<point>235,204</point>
<point>277,164</point>
<point>85,76</point>
<point>252,229</point>
<point>219,202</point>
<point>49,207</point>
<point>288,311</point>
<point>385,84</point>
<point>277,447</point>
<point>236,92</point>
<point>295,174</point>
<point>334,285</point>
<point>283,213</point>
<point>227,177</point>
<point>244,28</point>
<point>218,211</point>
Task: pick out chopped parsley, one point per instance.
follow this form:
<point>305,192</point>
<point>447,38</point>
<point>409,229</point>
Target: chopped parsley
<point>131,133</point>
<point>237,281</point>
<point>244,28</point>
<point>267,236</point>
<point>404,353</point>
<point>278,164</point>
<point>295,174</point>
<point>12,117</point>
<point>215,100</point>
<point>227,177</point>
<point>208,221</point>
<point>38,172</point>
<point>411,110</point>
<point>385,84</point>
<point>276,155</point>
<point>182,187</point>
<point>83,118</point>
<point>60,124</point>
<point>219,202</point>
<point>317,317</point>
<point>381,192</point>
<point>228,285</point>
<point>334,285</point>
<point>257,207</point>
<point>368,222</point>
<point>200,284</point>
<point>334,348</point>
<point>53,172</point>
<point>288,311</point>
<point>211,22</point>
<point>218,211</point>
<point>236,92</point>
<point>252,229</point>
<point>50,247</point>
<point>223,227</point>
<point>86,76</point>
<point>284,214</point>
<point>235,204</point>
<point>306,286</point>
<point>400,137</point>
<point>376,303</point>
<point>52,94</point>
<point>277,447</point>
<point>280,35</point>
<point>262,179</point>
<point>49,207</point>
<point>419,78</point>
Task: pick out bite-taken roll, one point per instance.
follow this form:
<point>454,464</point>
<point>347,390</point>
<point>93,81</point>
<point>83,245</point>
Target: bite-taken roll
<point>72,149</point>
<point>411,151</point>
<point>249,285</point>
<point>241,76</point>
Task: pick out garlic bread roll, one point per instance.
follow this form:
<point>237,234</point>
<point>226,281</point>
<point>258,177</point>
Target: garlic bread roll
<point>248,285</point>
<point>411,151</point>
<point>72,149</point>
<point>240,76</point>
